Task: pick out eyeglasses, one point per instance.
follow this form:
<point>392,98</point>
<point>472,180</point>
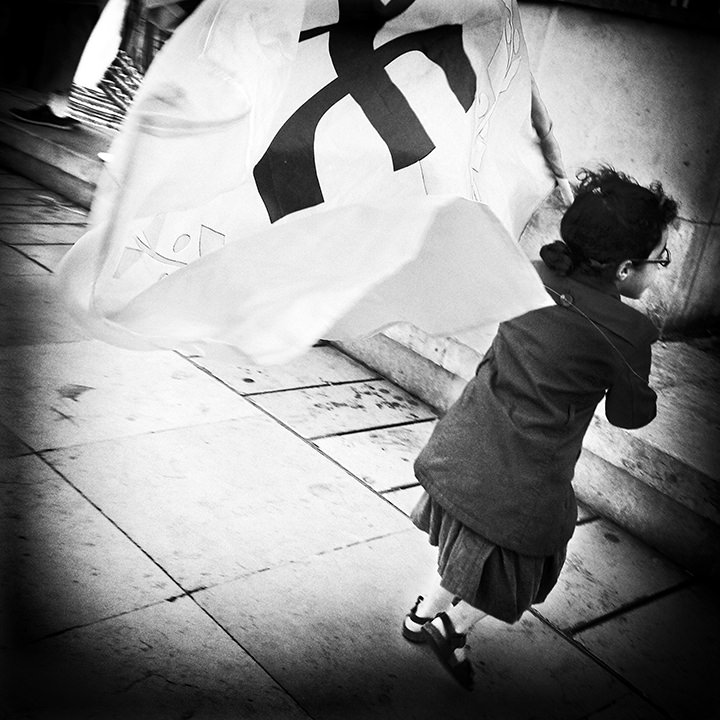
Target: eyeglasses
<point>663,259</point>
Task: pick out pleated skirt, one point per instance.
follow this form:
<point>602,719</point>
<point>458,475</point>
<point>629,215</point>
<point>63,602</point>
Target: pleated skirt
<point>498,581</point>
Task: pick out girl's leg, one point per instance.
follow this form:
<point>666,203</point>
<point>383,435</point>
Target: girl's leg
<point>437,600</point>
<point>462,615</point>
<point>447,630</point>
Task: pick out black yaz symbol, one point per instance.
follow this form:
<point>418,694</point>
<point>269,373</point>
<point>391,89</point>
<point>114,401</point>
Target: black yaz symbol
<point>286,175</point>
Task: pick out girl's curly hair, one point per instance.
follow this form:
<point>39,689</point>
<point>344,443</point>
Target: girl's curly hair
<point>613,218</point>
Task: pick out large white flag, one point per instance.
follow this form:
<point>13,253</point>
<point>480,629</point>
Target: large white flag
<point>299,170</point>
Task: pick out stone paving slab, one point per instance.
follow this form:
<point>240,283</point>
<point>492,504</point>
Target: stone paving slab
<point>164,662</point>
<point>381,458</point>
<point>215,501</point>
<point>66,563</point>
<point>321,365</point>
<point>329,410</point>
<point>342,655</point>
<point>40,233</point>
<point>59,395</point>
<point>670,649</point>
<point>46,256</point>
<point>606,569</point>
<point>13,262</point>
<point>30,313</point>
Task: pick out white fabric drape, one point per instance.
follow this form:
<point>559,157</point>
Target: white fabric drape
<point>282,177</point>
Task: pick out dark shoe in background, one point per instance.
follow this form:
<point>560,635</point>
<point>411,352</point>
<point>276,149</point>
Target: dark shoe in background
<point>43,115</point>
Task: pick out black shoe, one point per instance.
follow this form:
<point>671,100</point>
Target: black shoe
<point>445,645</point>
<point>416,636</point>
<point>43,115</point>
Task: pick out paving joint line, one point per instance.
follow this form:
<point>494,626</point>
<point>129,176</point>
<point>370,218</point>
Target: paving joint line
<point>247,395</point>
<point>12,244</point>
<point>396,488</point>
<point>112,522</point>
<point>313,386</point>
<point>27,222</point>
<point>630,606</point>
<point>281,565</point>
<point>251,656</point>
<point>27,257</point>
<point>112,616</point>
<point>371,428</point>
<point>577,645</point>
<point>356,543</point>
<point>373,379</point>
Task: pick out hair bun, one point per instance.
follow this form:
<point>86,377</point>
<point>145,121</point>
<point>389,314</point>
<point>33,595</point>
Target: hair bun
<point>557,257</point>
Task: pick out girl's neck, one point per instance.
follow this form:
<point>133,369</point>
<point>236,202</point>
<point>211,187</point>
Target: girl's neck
<point>598,282</point>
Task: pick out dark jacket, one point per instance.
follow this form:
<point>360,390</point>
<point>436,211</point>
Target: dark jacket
<point>503,457</point>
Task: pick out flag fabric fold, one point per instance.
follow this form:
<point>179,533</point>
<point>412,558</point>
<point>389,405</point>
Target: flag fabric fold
<point>303,170</point>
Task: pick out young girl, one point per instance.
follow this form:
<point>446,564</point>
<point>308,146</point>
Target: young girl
<point>497,470</point>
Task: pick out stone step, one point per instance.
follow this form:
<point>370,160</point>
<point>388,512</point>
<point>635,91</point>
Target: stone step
<point>64,161</point>
<point>663,480</point>
<point>678,454</point>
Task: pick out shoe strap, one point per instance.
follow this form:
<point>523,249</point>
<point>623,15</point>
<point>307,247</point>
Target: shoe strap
<point>414,617</point>
<point>455,639</point>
